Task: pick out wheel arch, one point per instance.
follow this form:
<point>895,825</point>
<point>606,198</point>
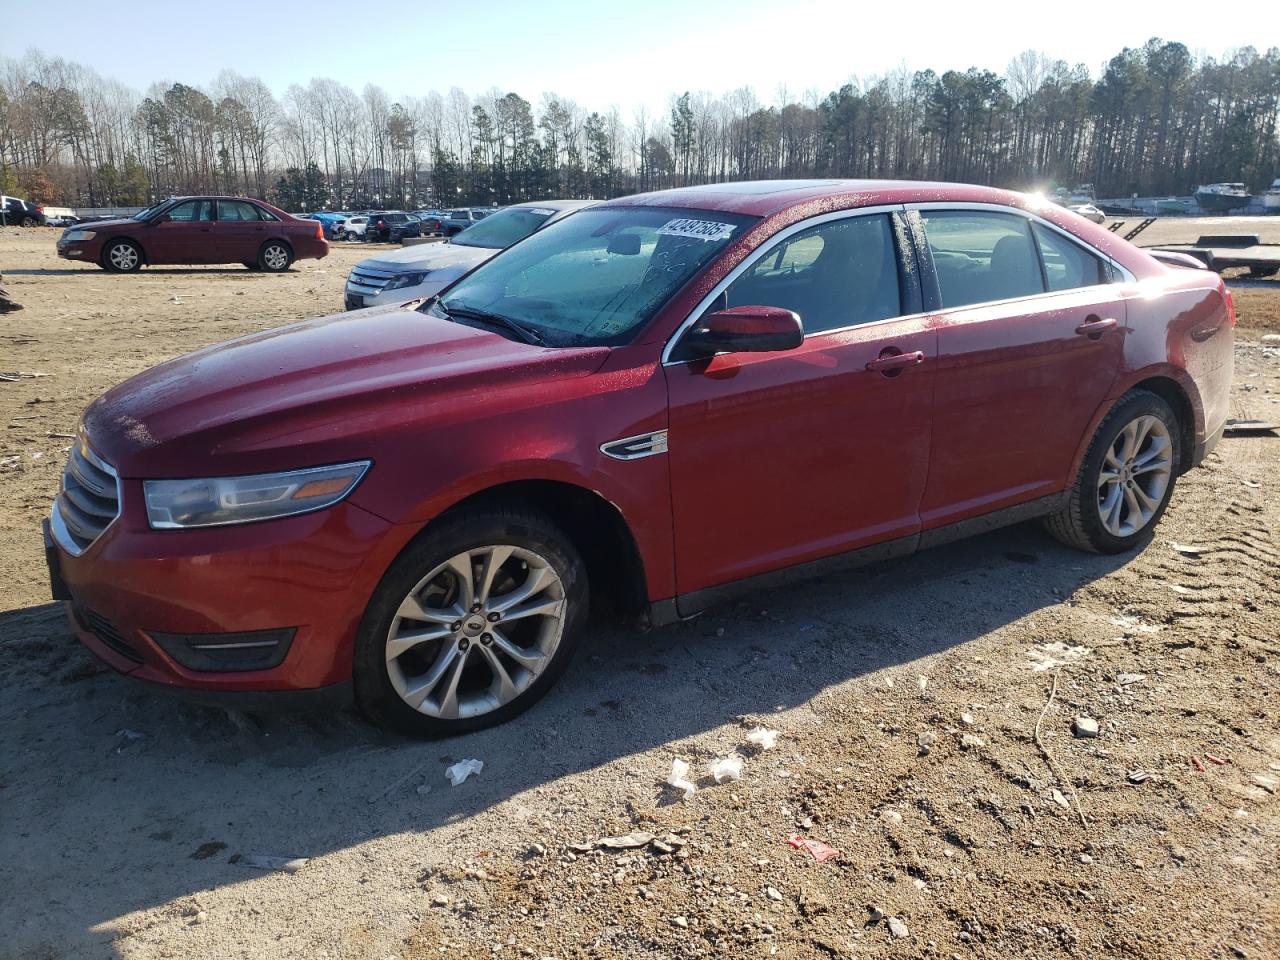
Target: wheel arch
<point>595,526</point>
<point>293,254</point>
<point>1176,391</point>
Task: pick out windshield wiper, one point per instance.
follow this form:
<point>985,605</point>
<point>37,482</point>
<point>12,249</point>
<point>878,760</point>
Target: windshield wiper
<point>497,319</point>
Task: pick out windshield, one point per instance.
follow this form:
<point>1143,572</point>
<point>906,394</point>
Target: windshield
<point>150,211</point>
<point>595,277</point>
<point>503,229</point>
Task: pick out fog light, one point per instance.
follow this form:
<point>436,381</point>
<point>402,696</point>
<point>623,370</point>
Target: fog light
<point>227,652</point>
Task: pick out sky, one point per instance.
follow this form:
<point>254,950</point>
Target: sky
<point>621,53</point>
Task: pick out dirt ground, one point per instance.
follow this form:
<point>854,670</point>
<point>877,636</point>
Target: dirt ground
<point>906,699</point>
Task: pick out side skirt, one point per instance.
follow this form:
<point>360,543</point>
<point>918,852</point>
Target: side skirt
<point>687,605</point>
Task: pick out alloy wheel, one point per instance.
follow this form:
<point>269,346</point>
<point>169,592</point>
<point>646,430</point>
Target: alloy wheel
<point>476,631</point>
<point>123,257</point>
<point>276,257</point>
<point>1135,476</point>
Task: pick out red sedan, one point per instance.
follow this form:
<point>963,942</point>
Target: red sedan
<point>197,230</point>
<point>666,399</point>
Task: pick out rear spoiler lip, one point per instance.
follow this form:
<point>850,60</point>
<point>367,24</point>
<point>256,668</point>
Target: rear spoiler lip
<point>1175,259</point>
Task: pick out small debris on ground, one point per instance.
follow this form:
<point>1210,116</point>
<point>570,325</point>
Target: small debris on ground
<point>679,778</point>
<point>898,928</point>
<point>726,768</point>
<point>1085,727</point>
<point>762,737</point>
<point>459,772</point>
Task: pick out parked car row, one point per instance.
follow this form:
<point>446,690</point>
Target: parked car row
<point>203,230</point>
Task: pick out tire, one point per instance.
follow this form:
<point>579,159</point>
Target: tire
<point>30,222</point>
<point>122,256</point>
<point>1124,514</point>
<point>1261,273</point>
<point>275,256</point>
<point>542,561</point>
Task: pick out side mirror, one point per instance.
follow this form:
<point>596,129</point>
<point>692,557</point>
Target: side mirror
<point>744,330</point>
<point>625,244</point>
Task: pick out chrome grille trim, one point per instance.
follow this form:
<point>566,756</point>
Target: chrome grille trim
<point>88,502</point>
<point>369,280</point>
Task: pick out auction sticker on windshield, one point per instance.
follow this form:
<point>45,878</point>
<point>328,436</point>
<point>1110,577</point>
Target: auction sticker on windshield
<point>697,229</point>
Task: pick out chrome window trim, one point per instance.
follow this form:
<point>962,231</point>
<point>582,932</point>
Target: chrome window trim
<point>759,253</point>
<point>58,527</point>
<point>941,205</point>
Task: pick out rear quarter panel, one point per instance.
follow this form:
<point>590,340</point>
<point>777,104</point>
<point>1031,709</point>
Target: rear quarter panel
<point>1179,326</point>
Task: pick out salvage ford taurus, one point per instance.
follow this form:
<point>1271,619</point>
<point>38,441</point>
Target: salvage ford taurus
<point>657,402</point>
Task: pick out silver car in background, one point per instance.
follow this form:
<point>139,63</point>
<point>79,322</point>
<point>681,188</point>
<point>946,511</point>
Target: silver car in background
<point>423,270</point>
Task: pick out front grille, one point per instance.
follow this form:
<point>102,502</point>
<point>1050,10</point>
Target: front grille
<point>105,630</point>
<point>368,280</point>
<point>89,501</point>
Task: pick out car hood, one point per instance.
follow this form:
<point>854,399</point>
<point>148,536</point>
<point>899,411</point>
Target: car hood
<point>316,392</point>
<point>105,224</point>
<point>430,256</point>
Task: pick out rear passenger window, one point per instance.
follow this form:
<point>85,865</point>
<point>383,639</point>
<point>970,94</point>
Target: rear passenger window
<point>981,257</point>
<point>1067,265</point>
<point>834,275</point>
<point>236,210</point>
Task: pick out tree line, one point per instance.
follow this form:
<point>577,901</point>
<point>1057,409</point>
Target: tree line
<point>1156,121</point>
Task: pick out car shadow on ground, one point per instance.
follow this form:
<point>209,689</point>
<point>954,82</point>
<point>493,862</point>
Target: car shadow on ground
<point>113,794</point>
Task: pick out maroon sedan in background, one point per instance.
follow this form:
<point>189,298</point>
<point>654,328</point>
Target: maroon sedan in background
<point>664,400</point>
<point>197,230</point>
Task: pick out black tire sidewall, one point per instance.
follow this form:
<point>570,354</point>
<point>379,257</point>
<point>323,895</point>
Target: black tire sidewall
<point>375,695</point>
<point>1140,404</point>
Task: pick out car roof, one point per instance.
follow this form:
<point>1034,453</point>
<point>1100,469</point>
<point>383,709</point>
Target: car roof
<point>763,198</point>
<point>556,205</point>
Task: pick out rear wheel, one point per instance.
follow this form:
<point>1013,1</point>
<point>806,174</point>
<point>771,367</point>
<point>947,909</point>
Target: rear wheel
<point>29,221</point>
<point>1126,480</point>
<point>472,624</point>
<point>275,257</point>
<point>122,256</point>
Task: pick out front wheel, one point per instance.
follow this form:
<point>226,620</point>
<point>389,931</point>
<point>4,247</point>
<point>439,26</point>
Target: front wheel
<point>122,256</point>
<point>472,624</point>
<point>275,257</point>
<point>1126,480</point>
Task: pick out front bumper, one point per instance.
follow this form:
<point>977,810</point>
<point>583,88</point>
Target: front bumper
<point>358,296</point>
<point>312,574</point>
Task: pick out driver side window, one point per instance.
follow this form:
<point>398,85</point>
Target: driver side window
<point>834,275</point>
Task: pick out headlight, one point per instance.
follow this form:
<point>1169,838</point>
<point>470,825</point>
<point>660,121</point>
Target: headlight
<point>78,236</point>
<point>401,280</point>
<point>173,504</point>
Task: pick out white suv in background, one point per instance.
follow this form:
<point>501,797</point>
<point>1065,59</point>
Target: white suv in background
<point>424,270</point>
<point>355,226</point>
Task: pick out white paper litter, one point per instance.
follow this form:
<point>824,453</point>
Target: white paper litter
<point>726,768</point>
<point>266,862</point>
<point>463,769</point>
<point>762,737</point>
<point>680,778</point>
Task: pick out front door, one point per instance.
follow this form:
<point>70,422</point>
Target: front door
<point>184,235</point>
<point>780,458</point>
<point>1030,340</point>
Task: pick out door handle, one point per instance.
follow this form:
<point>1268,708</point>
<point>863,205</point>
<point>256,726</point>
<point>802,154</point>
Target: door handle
<point>1094,327</point>
<point>889,363</point>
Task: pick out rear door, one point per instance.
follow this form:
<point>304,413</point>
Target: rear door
<point>1031,333</point>
<point>781,458</point>
<point>240,231</point>
<point>184,235</point>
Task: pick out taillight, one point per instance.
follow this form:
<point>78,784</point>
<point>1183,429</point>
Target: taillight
<point>319,230</point>
<point>40,210</point>
<point>1231,306</point>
